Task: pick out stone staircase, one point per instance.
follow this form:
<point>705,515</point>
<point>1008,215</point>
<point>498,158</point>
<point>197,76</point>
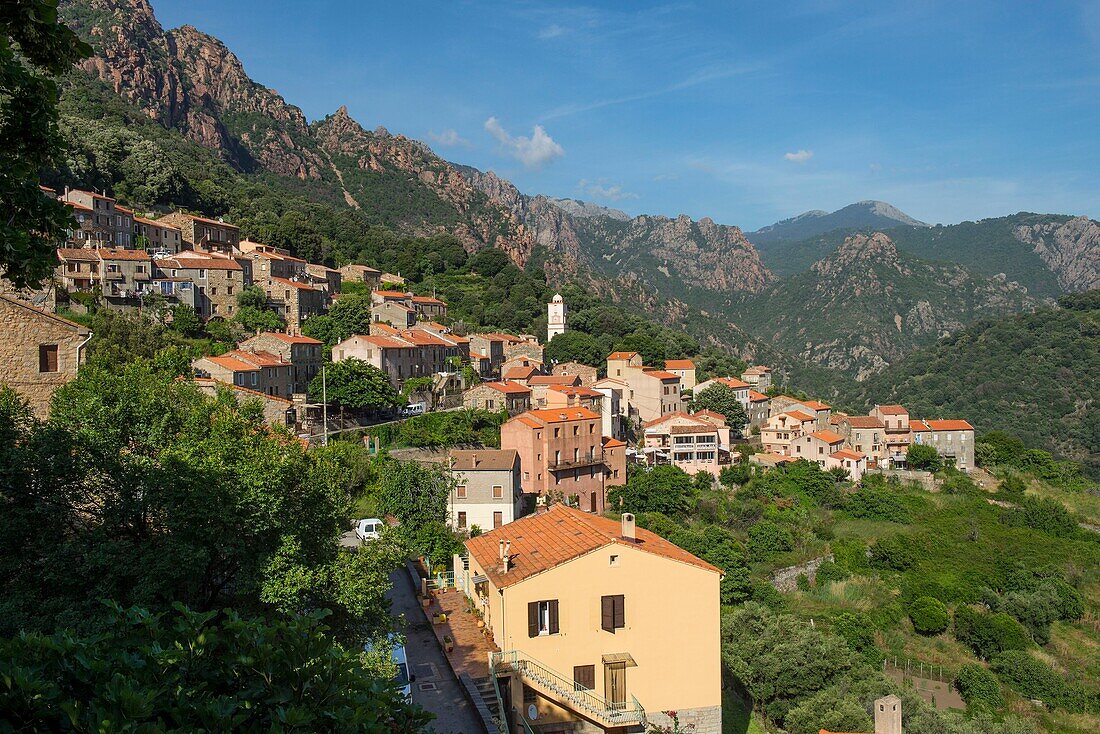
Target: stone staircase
<point>484,688</point>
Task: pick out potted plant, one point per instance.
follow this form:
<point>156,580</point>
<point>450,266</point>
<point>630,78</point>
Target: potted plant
<point>448,643</point>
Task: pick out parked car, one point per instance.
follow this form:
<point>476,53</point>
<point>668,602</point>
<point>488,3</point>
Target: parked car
<point>414,409</point>
<point>368,528</point>
<point>401,677</point>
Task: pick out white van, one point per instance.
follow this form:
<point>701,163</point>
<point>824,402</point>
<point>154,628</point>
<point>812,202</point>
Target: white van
<point>368,528</point>
<point>401,677</point>
<point>414,409</point>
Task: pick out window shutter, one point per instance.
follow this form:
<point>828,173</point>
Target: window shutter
<point>620,611</point>
<point>584,676</point>
<point>533,619</point>
<point>553,616</point>
<point>607,613</point>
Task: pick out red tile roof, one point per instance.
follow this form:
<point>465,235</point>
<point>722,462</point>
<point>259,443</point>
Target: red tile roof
<point>847,454</point>
<point>549,539</point>
<point>293,284</point>
<point>77,253</point>
<point>757,397</point>
<point>509,388</point>
<point>612,443</point>
<point>799,415</point>
<point>291,338</point>
<point>622,355</point>
<point>892,410</point>
<point>560,415</point>
<point>679,364</point>
<point>757,370</point>
<point>828,436</point>
<point>580,392</point>
<point>949,425</point>
<point>918,426</point>
<point>863,421</point>
<point>662,375</point>
<point>554,380</point>
<point>816,404</point>
<point>108,253</point>
<point>391,294</point>
<point>520,373</point>
<point>429,300</point>
<point>231,363</point>
<point>190,262</point>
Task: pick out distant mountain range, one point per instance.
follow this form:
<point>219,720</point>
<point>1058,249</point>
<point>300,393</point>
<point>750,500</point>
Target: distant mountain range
<point>863,215</point>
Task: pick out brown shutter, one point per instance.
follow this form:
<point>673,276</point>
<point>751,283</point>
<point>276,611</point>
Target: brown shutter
<point>533,619</point>
<point>584,676</point>
<point>607,613</point>
<point>553,616</point>
<point>620,611</point>
<point>47,358</point>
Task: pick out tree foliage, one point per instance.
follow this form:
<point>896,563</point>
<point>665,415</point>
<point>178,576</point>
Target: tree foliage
<point>978,687</point>
<point>929,615</point>
<point>721,399</point>
<point>664,488</point>
<point>924,458</point>
<point>355,385</point>
<point>575,346</point>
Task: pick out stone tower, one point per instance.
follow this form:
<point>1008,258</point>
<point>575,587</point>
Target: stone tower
<point>888,715</point>
<point>555,317</point>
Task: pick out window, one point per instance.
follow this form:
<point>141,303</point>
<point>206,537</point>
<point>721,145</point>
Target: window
<point>614,559</point>
<point>584,677</point>
<point>612,612</point>
<point>47,358</point>
<point>461,491</point>
<point>557,432</point>
<point>202,275</point>
<point>498,519</point>
<point>462,521</point>
<point>498,491</point>
<point>576,430</point>
<point>542,618</point>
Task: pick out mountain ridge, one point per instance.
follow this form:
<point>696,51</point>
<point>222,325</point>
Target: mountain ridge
<point>867,214</point>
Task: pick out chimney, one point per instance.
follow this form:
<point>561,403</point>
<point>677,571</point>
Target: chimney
<point>888,715</point>
<point>628,530</point>
<point>473,459</point>
<point>501,546</point>
<point>508,556</point>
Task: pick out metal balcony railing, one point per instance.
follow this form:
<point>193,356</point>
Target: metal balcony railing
<point>584,701</point>
<point>586,460</point>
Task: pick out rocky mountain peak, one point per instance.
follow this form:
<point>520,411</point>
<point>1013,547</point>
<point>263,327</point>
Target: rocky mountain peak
<point>859,254</point>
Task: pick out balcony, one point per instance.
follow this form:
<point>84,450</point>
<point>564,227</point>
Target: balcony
<point>586,460</point>
<point>584,702</point>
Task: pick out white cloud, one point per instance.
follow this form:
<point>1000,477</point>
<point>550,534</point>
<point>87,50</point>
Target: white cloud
<point>448,139</point>
<point>603,190</point>
<point>532,152</point>
<point>551,31</point>
<point>800,156</point>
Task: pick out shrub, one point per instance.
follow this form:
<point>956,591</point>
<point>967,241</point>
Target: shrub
<point>894,553</point>
<point>766,539</point>
<point>851,554</point>
<point>929,615</point>
<point>1045,515</point>
<point>924,458</point>
<point>803,582</point>
<point>979,687</point>
<point>1035,679</point>
<point>989,634</point>
<point>829,572</point>
<point>875,503</point>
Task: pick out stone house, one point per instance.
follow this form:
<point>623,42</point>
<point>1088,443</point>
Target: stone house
<point>518,374</point>
<point>157,238</point>
<point>263,372</point>
<point>295,301</point>
<point>650,393</point>
<point>125,273</point>
<point>759,377</point>
<point>393,313</point>
<point>40,351</point>
<point>200,233</point>
<point>489,347</point>
<point>629,620</point>
<point>487,491</point>
<point>953,439</point>
<point>218,280</point>
<point>758,410</point>
<point>510,396</point>
<point>864,434</point>
<point>402,354</point>
<point>304,353</point>
<point>589,375</point>
<point>109,224</point>
<point>325,279</point>
<point>361,274</point>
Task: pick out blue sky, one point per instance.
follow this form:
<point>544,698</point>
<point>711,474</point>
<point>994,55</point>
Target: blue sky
<point>745,111</point>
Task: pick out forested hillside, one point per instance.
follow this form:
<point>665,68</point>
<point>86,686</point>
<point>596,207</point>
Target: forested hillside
<point>1036,375</point>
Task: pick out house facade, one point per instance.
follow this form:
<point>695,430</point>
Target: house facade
<point>759,377</point>
<point>953,439</point>
<point>865,434</point>
<point>510,396</point>
<point>110,225</point>
<point>40,351</point>
<point>260,371</point>
<point>586,644</point>
<point>684,369</point>
<point>487,491</point>
<point>302,352</point>
<point>780,430</point>
<point>691,442</point>
<point>200,233</point>
<point>817,447</point>
<point>896,432</point>
<point>217,280</point>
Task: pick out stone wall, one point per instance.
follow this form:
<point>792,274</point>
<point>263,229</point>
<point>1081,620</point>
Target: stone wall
<point>24,329</point>
<point>706,720</point>
<point>786,579</point>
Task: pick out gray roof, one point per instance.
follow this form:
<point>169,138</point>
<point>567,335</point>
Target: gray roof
<point>483,459</point>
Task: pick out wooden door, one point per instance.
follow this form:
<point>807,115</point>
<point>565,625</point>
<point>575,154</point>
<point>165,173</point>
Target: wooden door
<point>614,680</point>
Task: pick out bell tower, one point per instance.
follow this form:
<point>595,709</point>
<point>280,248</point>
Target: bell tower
<point>555,317</point>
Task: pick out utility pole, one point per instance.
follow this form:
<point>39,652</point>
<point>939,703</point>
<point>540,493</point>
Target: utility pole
<point>324,407</point>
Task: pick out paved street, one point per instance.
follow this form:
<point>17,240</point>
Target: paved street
<point>435,689</point>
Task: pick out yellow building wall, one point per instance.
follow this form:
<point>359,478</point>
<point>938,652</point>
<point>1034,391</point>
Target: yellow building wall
<point>672,615</point>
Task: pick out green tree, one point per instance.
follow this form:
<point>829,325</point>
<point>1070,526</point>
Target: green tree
<point>767,539</point>
<point>826,711</point>
<point>929,615</point>
<point>575,346</point>
<point>1035,679</point>
<point>989,634</point>
<point>978,687</point>
<point>721,399</point>
<point>252,319</point>
<point>665,488</point>
<point>224,672</point>
<point>34,48</point>
<point>185,321</point>
<point>923,457</point>
<point>356,385</point>
<point>252,296</point>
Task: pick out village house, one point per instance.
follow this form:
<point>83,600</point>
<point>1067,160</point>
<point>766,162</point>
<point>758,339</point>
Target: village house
<point>393,313</point>
<point>541,384</point>
<point>361,274</point>
<point>896,433</point>
<point>864,434</point>
<point>402,354</point>
<point>850,461</point>
<point>518,374</point>
<point>294,300</point>
<point>520,360</point>
<point>819,410</point>
<point>758,377</point>
<point>524,345</point>
<point>613,406</point>
<point>739,387</point>
<point>277,411</point>
<point>589,375</point>
<point>489,347</point>
<point>952,439</point>
<point>684,369</point>
<point>263,372</point>
<point>692,442</point>
<point>562,454</point>
<point>218,280</point>
<point>570,597</point>
<point>817,446</point>
<point>510,396</point>
<point>109,223</point>
<point>487,493</point>
<point>78,269</point>
<point>570,396</point>
<point>40,351</point>
<point>758,409</point>
<point>325,279</point>
<point>303,352</point>
<point>157,238</point>
<point>200,233</point>
<point>780,430</point>
<point>651,393</point>
<point>118,274</point>
<point>91,230</point>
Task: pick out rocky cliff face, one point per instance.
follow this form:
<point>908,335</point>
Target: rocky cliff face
<point>190,81</point>
<point>867,305</point>
<point>1070,249</point>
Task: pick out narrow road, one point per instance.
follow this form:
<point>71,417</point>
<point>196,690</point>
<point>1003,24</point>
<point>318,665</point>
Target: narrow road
<point>435,689</point>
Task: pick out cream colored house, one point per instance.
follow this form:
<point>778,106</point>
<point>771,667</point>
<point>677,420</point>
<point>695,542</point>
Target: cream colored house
<point>851,461</point>
<point>817,447</point>
<point>693,443</point>
<point>651,393</point>
<point>684,369</point>
<point>896,433</point>
<point>865,434</point>
<point>780,430</point>
<point>588,641</point>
